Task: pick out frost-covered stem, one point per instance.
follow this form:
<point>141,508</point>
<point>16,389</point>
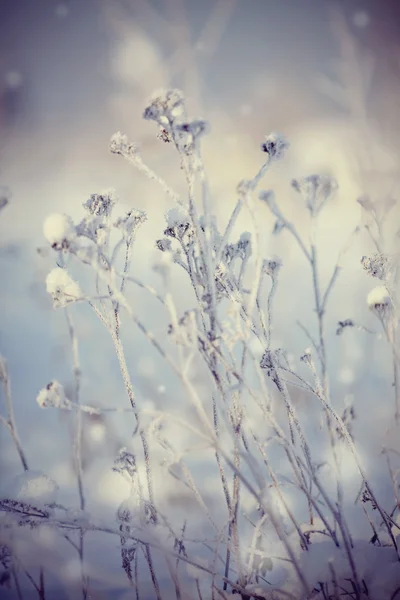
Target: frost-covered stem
<point>234,516</point>
<point>78,439</point>
<point>137,161</point>
<point>128,252</point>
<point>154,580</point>
<point>320,311</point>
<point>269,309</point>
<point>259,261</point>
<point>320,316</point>
<point>10,422</point>
<point>229,228</point>
<point>197,494</point>
<point>129,390</point>
<point>357,460</point>
<point>224,487</point>
<point>210,267</point>
<point>275,523</point>
<point>78,418</point>
<point>277,487</point>
<point>256,536</point>
<point>293,418</point>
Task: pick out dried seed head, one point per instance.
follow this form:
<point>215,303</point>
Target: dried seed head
<point>130,222</point>
<point>101,205</point>
<point>272,265</point>
<point>119,144</point>
<point>315,190</point>
<point>62,288</point>
<point>59,231</point>
<point>379,301</point>
<point>376,265</point>
<point>52,396</point>
<point>275,145</point>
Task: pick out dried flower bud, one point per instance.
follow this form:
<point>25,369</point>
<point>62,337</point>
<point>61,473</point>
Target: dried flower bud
<point>272,265</point>
<point>343,325</point>
<point>275,145</point>
<point>306,357</point>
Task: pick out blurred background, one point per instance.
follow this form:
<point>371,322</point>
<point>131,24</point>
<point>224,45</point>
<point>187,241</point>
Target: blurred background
<point>324,73</point>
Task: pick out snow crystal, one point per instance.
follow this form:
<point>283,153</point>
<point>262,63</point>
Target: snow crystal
<point>59,230</point>
<point>62,288</point>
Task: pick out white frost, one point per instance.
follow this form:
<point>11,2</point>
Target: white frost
<point>59,230</point>
<point>379,298</point>
<point>62,288</point>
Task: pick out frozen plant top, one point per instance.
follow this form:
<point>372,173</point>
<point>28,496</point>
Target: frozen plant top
<point>376,265</point>
<point>59,230</point>
<point>379,300</point>
<point>52,396</point>
<point>101,205</point>
<point>315,190</point>
<point>275,145</point>
<point>165,106</point>
<point>62,288</point>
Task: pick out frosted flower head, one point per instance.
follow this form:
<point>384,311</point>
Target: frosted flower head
<point>125,463</point>
<point>376,265</point>
<point>62,288</point>
<point>59,231</point>
<point>379,301</point>
<point>178,224</point>
<point>275,145</point>
<point>130,222</point>
<point>164,245</point>
<point>189,132</point>
<point>119,144</point>
<point>272,265</point>
<point>164,107</point>
<point>315,190</point>
<point>101,205</point>
<point>52,396</point>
